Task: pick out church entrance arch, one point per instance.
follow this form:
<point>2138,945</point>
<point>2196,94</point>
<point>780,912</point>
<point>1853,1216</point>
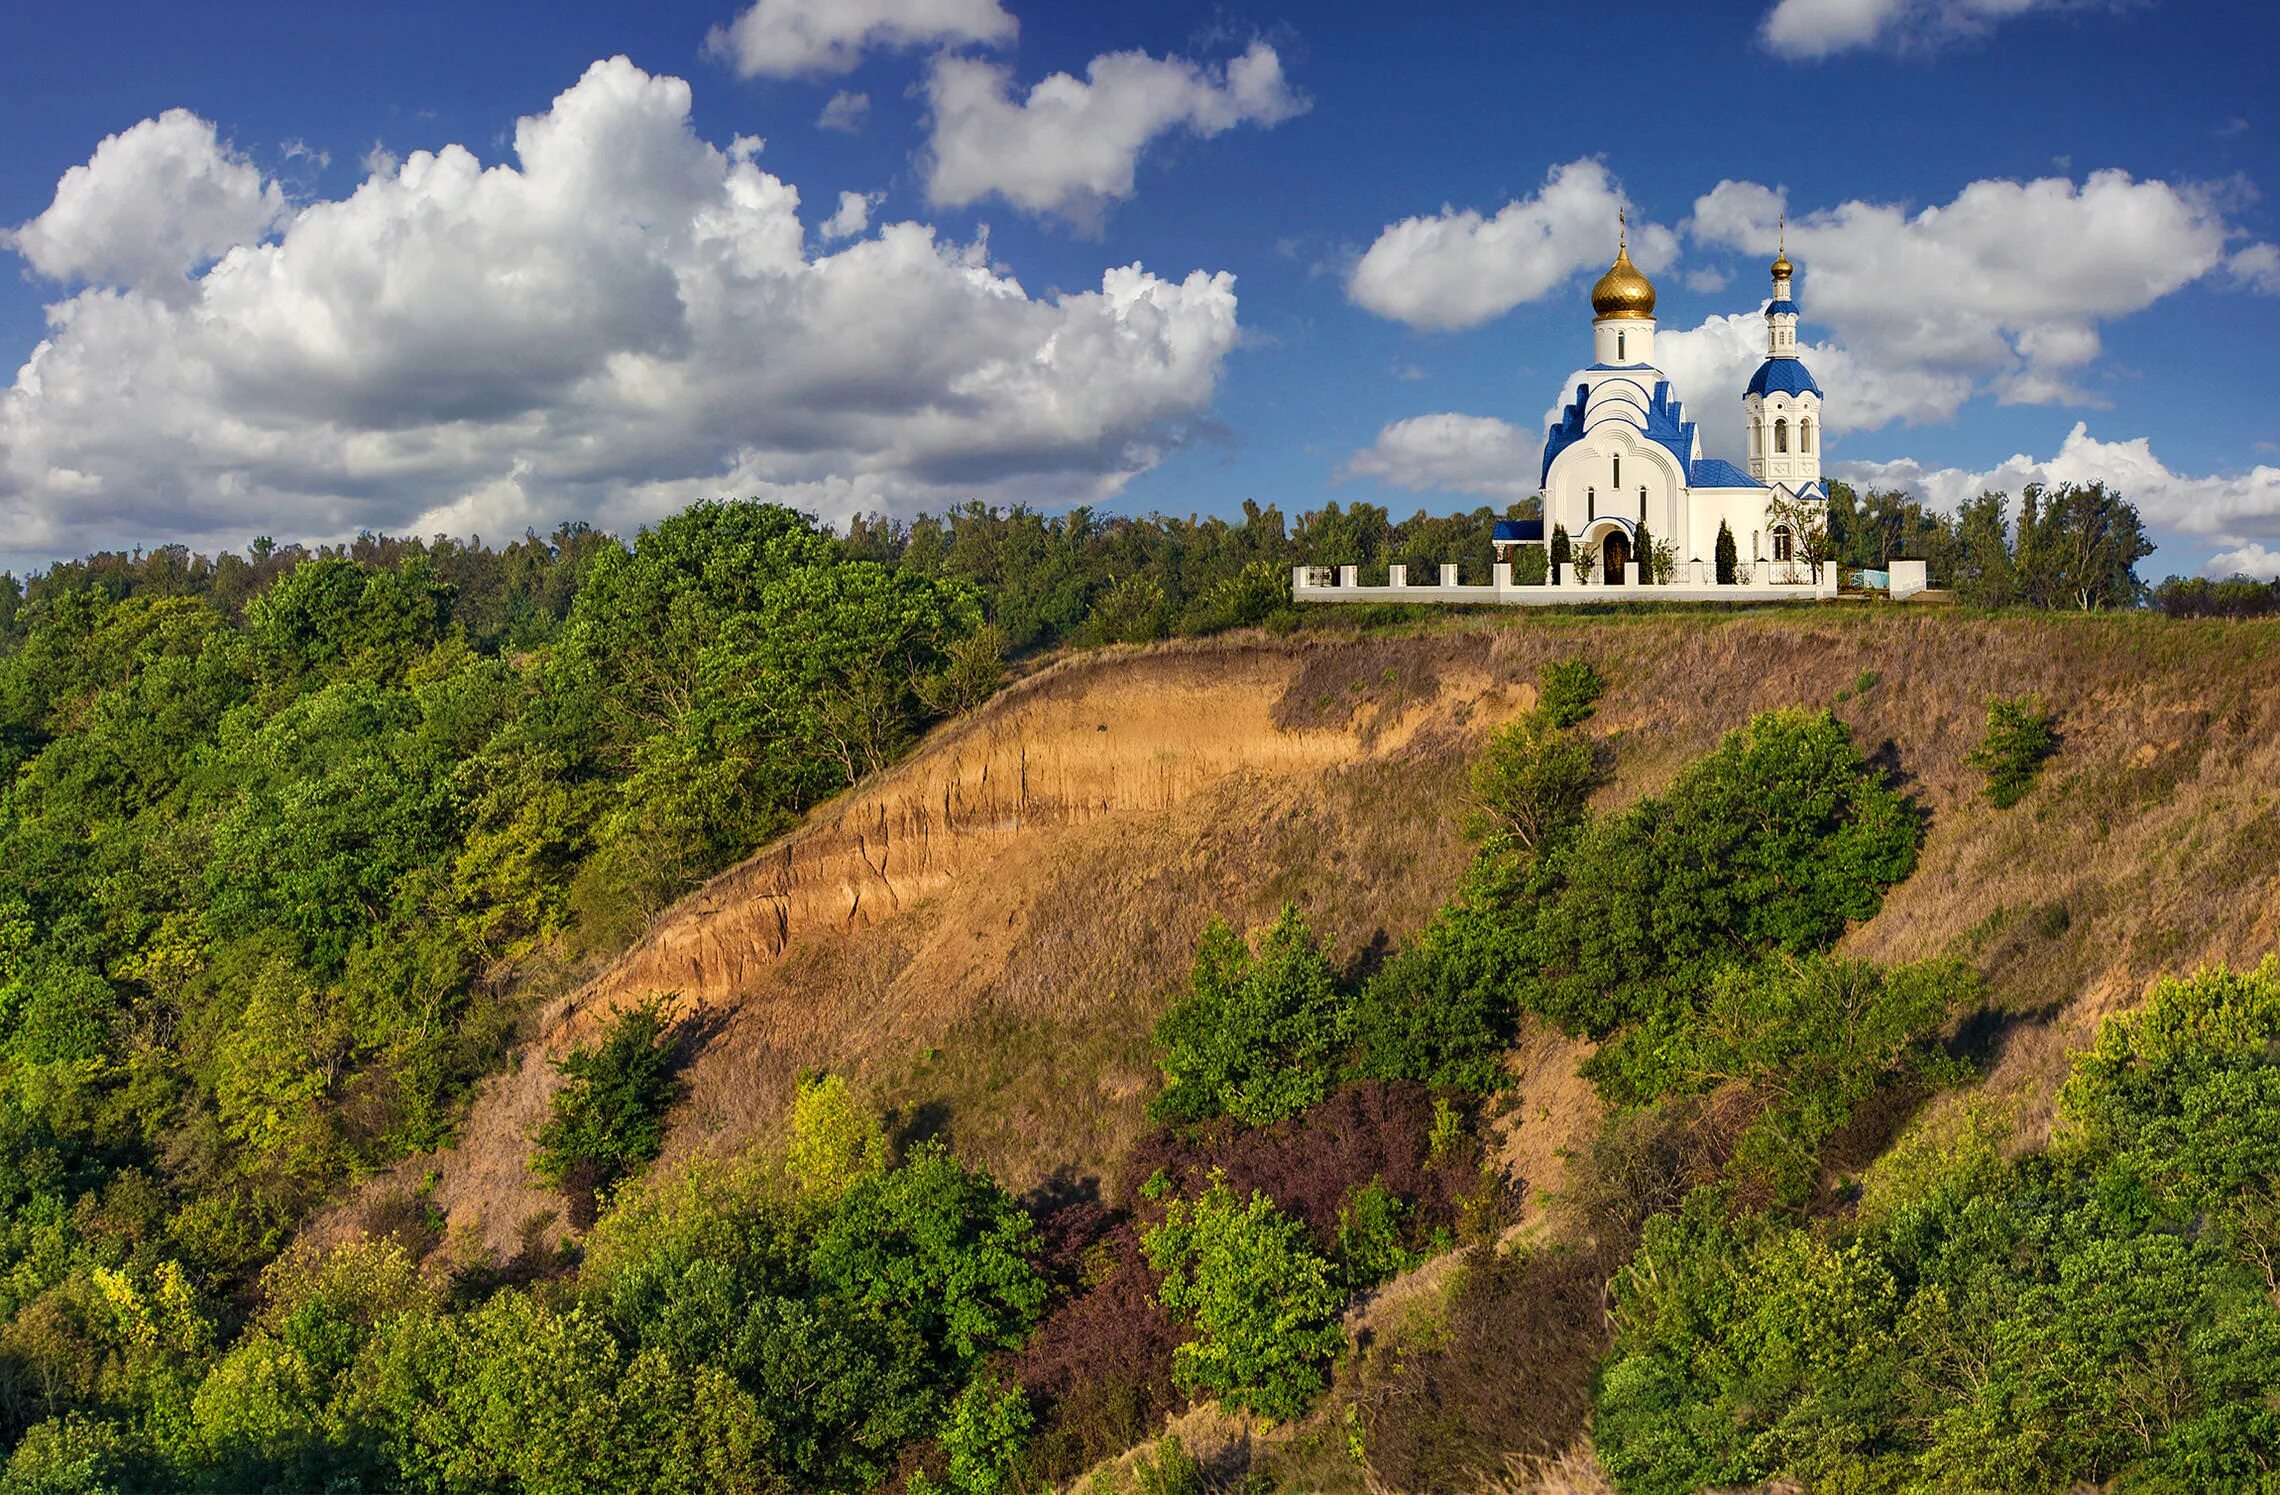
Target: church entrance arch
<point>1615,555</point>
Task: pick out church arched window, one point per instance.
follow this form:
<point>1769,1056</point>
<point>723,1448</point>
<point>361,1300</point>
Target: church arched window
<point>1784,545</point>
<point>1642,503</point>
<point>1590,504</point>
<point>1620,357</point>
<point>1757,438</point>
<point>1805,434</point>
<point>1781,436</point>
<point>1618,474</point>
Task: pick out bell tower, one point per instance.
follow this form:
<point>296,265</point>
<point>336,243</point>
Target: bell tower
<point>1781,410</point>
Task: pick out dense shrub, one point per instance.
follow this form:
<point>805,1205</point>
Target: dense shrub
<point>2097,1313</point>
<point>1098,1370</point>
<point>1258,1036</point>
<point>1264,1304</point>
<point>2018,740</point>
<point>1533,781</point>
<point>1815,1036</point>
<point>609,1116</point>
<point>1773,842</point>
<point>1313,1166</point>
<point>1569,692</point>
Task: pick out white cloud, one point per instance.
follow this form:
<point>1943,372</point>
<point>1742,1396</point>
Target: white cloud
<point>853,216</point>
<point>1452,454</point>
<point>2257,267</point>
<point>623,318</point>
<point>1458,269</point>
<point>2007,284</point>
<point>1820,28</point>
<point>846,112</point>
<point>1070,147</point>
<point>2248,560</point>
<point>1710,364</point>
<point>787,38</point>
<point>2241,512</point>
<point>151,206</point>
<point>1708,281</point>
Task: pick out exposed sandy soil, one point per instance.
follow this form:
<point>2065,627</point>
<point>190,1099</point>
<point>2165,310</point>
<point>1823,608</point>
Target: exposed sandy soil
<point>985,934</point>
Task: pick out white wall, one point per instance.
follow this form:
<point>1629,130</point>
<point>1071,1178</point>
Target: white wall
<point>1636,337</point>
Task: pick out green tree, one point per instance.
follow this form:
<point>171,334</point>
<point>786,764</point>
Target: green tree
<point>1264,1305</point>
<point>2019,739</point>
<point>1985,573</point>
<point>1569,691</point>
<point>608,1118</point>
<point>1534,782</point>
<point>1258,1037</point>
<point>1726,564</point>
<point>2079,545</point>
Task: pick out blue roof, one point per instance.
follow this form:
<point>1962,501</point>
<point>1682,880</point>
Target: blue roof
<point>1782,376</point>
<point>1666,424</point>
<point>1518,529</point>
<point>1783,307</point>
<point>1714,472</point>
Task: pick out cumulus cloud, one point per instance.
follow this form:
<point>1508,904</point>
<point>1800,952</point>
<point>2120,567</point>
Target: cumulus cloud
<point>2242,512</point>
<point>1069,147</point>
<point>1819,28</point>
<point>2008,283</point>
<point>1452,453</point>
<point>846,112</point>
<point>622,319</point>
<point>853,216</point>
<point>789,38</point>
<point>1458,268</point>
<point>1710,364</point>
<point>2248,560</point>
<point>151,206</point>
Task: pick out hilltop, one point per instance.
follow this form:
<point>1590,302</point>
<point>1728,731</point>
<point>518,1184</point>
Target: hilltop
<point>982,936</point>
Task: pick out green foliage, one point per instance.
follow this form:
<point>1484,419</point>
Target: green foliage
<point>984,1436</point>
<point>608,1118</point>
<point>1569,692</point>
<point>2019,738</point>
<point>1534,782</point>
<point>937,1249</point>
<point>2097,1314</point>
<point>835,1144</point>
<point>1816,1035</point>
<point>1562,548</point>
<point>1774,842</point>
<point>1370,1230</point>
<point>1168,1469</point>
<point>1725,560</point>
<point>1264,1305</point>
<point>1259,1036</point>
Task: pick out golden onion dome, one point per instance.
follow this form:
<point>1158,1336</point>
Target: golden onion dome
<point>1782,268</point>
<point>1623,291</point>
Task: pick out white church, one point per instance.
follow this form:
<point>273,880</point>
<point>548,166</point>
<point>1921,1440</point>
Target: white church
<point>1625,479</point>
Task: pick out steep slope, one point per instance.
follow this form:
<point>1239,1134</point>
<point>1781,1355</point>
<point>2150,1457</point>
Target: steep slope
<point>985,934</point>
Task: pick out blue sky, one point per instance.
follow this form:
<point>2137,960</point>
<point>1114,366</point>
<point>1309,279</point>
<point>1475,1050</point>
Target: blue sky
<point>2035,240</point>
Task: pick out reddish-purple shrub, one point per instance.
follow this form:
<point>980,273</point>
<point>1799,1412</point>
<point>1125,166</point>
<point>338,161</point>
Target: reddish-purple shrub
<point>1098,1370</point>
<point>1377,1131</point>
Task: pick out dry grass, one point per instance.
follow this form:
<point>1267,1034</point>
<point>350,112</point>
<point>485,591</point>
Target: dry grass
<point>983,936</point>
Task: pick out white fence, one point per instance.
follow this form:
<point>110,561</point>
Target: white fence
<point>1762,581</point>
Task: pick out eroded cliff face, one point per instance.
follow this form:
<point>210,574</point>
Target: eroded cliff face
<point>985,934</point>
